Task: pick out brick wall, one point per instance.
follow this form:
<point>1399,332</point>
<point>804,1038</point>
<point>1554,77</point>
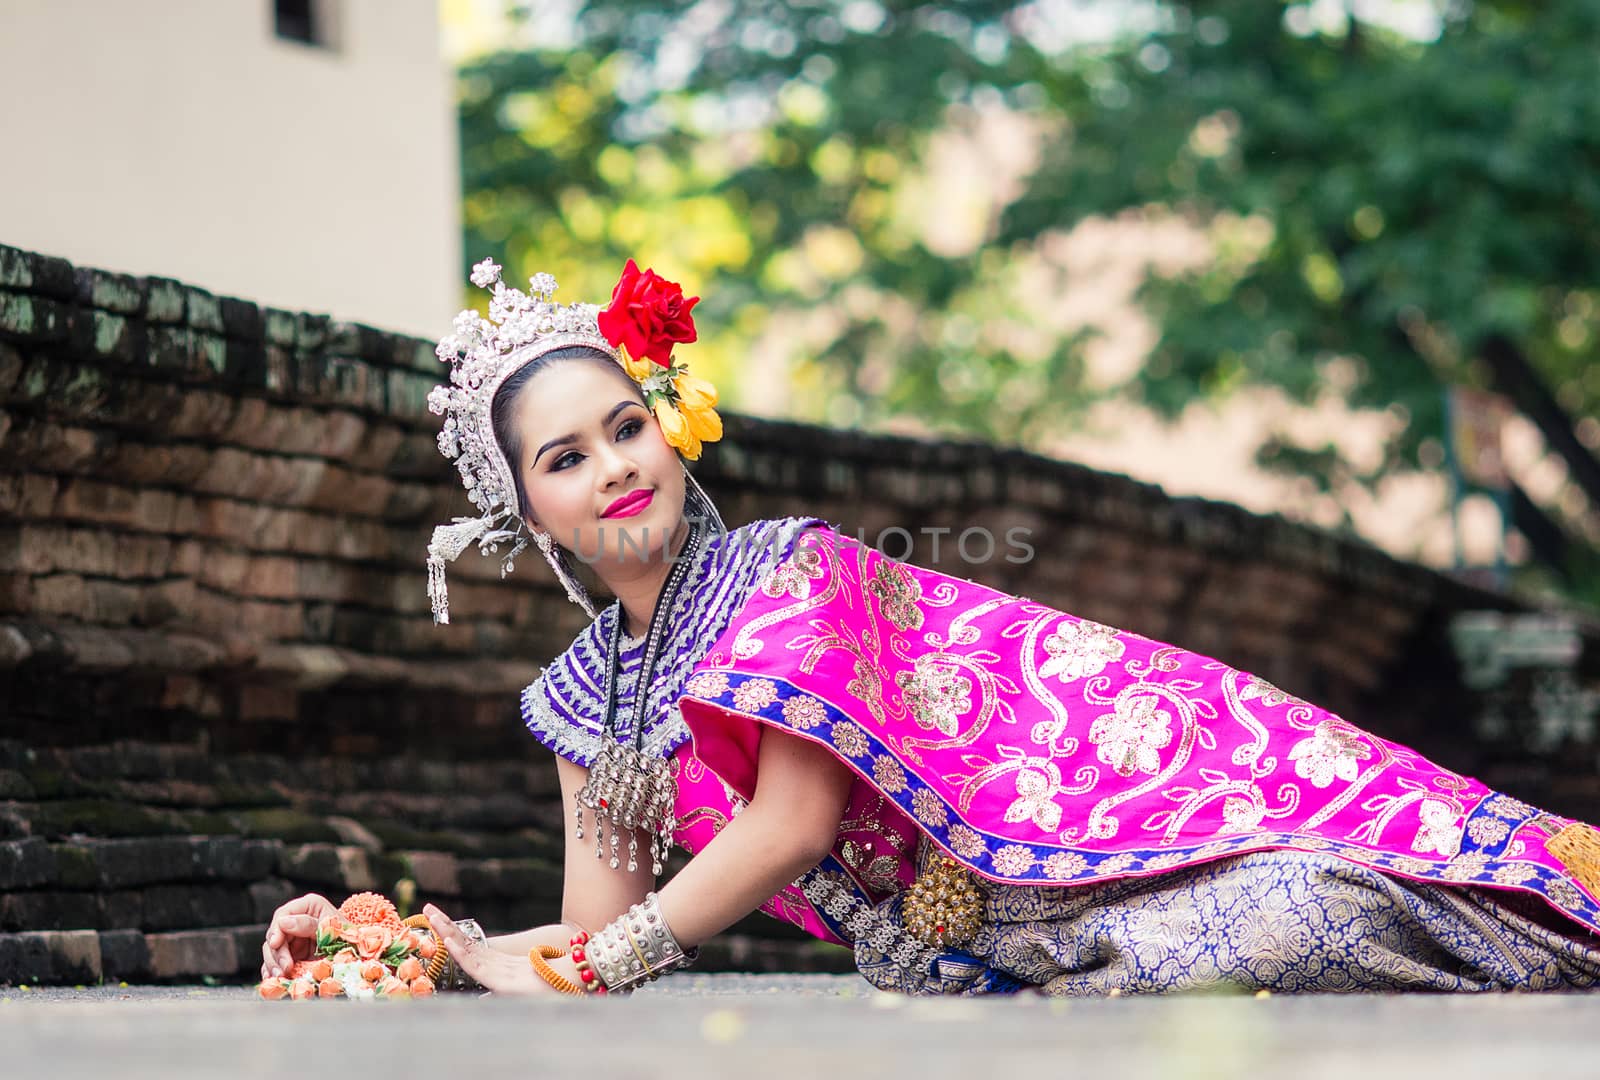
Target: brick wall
<point>220,684</point>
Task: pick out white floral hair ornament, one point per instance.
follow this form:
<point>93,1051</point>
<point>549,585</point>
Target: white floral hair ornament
<point>647,313</point>
<point>482,354</point>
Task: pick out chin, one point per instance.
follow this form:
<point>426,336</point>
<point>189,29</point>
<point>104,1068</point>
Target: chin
<point>646,533</point>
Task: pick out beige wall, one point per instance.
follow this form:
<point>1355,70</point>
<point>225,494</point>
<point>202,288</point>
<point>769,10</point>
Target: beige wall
<point>183,138</point>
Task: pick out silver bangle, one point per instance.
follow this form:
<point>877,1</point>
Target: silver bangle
<point>636,948</point>
<point>454,977</point>
<point>614,960</point>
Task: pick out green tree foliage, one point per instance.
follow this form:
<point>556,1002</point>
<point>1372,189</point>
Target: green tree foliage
<point>1422,198</point>
<point>1380,206</point>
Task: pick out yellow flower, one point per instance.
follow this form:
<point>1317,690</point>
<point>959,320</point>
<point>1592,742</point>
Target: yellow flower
<point>695,392</point>
<point>691,448</point>
<point>638,370</point>
<point>705,424</point>
<point>673,427</point>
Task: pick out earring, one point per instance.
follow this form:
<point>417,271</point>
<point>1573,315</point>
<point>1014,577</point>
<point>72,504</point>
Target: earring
<point>696,499</point>
<point>557,558</point>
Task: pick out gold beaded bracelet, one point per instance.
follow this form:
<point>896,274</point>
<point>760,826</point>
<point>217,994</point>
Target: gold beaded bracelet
<point>539,956</point>
<point>441,956</point>
<point>442,970</point>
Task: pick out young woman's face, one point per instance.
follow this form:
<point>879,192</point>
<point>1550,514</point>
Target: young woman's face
<point>598,474</point>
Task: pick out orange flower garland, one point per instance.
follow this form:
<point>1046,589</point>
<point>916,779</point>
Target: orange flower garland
<point>371,909</point>
<point>363,952</point>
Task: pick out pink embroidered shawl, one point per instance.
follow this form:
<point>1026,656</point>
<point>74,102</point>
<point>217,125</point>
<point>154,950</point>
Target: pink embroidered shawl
<point>1039,748</point>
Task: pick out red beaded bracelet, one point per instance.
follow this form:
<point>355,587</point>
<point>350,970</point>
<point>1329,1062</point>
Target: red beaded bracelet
<point>580,959</point>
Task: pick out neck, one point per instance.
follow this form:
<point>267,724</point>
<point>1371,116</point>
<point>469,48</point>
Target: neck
<point>638,583</point>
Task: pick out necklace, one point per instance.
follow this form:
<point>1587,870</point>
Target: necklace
<point>626,787</point>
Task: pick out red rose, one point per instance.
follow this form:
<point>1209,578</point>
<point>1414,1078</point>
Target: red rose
<point>648,315</point>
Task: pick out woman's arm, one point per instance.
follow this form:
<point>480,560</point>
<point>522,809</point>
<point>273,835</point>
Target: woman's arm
<point>592,894</point>
<point>788,828</point>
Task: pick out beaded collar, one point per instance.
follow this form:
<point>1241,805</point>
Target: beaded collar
<point>565,707</point>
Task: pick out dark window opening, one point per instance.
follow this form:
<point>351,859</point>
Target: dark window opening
<point>296,20</point>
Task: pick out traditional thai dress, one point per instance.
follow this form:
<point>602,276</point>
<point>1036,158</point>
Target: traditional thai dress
<point>1044,801</point>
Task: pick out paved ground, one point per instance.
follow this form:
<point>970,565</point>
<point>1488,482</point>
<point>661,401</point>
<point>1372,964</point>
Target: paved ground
<point>777,1027</point>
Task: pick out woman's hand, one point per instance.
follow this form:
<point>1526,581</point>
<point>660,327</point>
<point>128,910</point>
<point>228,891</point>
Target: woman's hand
<point>292,933</point>
<point>491,969</point>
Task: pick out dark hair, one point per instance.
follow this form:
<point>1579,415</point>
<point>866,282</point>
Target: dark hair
<point>502,410</point>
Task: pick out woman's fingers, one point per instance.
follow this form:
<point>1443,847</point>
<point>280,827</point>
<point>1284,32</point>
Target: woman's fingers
<point>311,905</point>
<point>295,923</point>
<point>301,926</point>
<point>489,968</point>
<point>285,931</point>
<point>466,952</point>
<point>445,927</point>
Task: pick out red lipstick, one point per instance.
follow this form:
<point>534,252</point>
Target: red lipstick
<point>630,504</point>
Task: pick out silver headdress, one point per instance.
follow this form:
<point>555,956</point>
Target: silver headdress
<point>482,354</point>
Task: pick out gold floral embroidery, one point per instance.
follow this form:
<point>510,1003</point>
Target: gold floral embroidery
<point>1407,865</point>
<point>876,872</point>
<point>1466,867</point>
<point>1257,687</point>
<point>965,842</point>
<point>1514,873</point>
<point>1242,815</point>
<point>754,695</point>
<point>898,593</point>
<point>1438,832</point>
<point>1064,865</point>
<point>1036,801</point>
<point>708,684</point>
<point>1507,807</point>
<point>1013,860</point>
<point>804,713</point>
<point>1080,649</point>
<point>795,575</point>
<point>1165,861</point>
<point>928,809</point>
<point>1332,750</point>
<point>936,693</point>
<point>1130,737</point>
<point>1565,893</point>
<point>1116,864</point>
<point>1486,831</point>
<point>867,687</point>
<point>888,774</point>
<point>849,738</point>
<point>1549,824</point>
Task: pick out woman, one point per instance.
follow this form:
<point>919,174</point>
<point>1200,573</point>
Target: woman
<point>976,792</point>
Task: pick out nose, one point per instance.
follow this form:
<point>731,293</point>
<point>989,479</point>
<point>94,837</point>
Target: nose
<point>616,469</point>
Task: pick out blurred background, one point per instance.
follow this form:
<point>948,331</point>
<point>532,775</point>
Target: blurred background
<point>1242,250</point>
<point>1275,323</point>
<point>1257,251</point>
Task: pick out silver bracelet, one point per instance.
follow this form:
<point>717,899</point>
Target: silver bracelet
<point>454,977</point>
<point>636,948</point>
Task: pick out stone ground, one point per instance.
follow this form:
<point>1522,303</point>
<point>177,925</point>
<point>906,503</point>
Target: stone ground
<point>775,1027</point>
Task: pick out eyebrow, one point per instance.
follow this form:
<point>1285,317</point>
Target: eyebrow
<point>572,438</point>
